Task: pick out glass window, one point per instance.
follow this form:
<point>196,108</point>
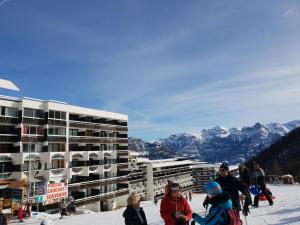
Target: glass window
<point>51,131</point>
<point>51,114</point>
<point>63,115</point>
<point>11,112</point>
<point>39,113</point>
<point>89,133</point>
<point>57,115</point>
<point>73,132</point>
<point>2,111</point>
<point>32,130</point>
<point>28,112</point>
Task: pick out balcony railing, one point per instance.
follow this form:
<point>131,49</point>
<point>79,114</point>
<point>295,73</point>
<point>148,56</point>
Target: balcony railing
<point>76,124</point>
<point>97,140</point>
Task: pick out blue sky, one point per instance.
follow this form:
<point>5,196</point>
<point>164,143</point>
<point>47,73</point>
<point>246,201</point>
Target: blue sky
<point>172,66</point>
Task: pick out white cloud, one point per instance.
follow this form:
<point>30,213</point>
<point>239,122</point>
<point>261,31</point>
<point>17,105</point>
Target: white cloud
<point>288,12</point>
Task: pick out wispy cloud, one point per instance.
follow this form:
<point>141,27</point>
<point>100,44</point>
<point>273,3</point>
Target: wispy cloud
<point>4,1</point>
<point>288,12</point>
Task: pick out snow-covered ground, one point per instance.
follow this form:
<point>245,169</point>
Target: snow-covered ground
<point>286,210</point>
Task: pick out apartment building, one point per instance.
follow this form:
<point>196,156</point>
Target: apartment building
<point>138,174</point>
<point>50,144</point>
<point>159,171</point>
<point>202,173</point>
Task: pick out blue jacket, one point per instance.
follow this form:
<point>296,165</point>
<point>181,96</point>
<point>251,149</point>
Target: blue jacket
<point>218,212</point>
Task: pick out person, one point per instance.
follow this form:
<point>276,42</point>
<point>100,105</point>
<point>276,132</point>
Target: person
<point>258,179</point>
<point>72,205</point>
<point>134,214</point>
<point>3,219</point>
<point>220,204</point>
<point>155,201</point>
<point>20,212</point>
<point>232,185</point>
<point>190,196</point>
<point>168,185</point>
<point>174,208</point>
<point>63,208</point>
<point>27,209</point>
<point>244,176</point>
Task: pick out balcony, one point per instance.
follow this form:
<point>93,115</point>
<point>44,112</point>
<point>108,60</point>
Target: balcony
<point>79,171</point>
<point>96,126</point>
<point>32,138</point>
<point>53,174</point>
<point>10,138</point>
<point>98,169</point>
<point>11,176</point>
<point>56,139</point>
<point>33,121</point>
<point>97,140</point>
<point>53,122</point>
<point>9,120</point>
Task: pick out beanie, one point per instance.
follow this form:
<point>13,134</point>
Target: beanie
<point>224,166</point>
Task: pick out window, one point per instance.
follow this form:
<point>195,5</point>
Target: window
<point>56,147</point>
<point>2,111</point>
<point>11,112</point>
<point>32,130</point>
<point>36,113</point>
<point>26,148</point>
<point>73,147</point>
<point>88,147</point>
<point>57,115</point>
<point>73,132</point>
<point>51,114</point>
<point>89,133</point>
<point>57,131</point>
<point>28,112</point>
<point>39,114</point>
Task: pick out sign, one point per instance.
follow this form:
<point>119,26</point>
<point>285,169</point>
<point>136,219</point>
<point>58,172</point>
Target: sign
<point>40,188</point>
<point>39,198</point>
<point>56,191</point>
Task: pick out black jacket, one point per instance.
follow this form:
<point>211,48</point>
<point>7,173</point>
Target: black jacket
<point>232,186</point>
<point>245,176</point>
<point>132,218</point>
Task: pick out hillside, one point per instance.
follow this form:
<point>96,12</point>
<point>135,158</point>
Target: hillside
<point>283,156</point>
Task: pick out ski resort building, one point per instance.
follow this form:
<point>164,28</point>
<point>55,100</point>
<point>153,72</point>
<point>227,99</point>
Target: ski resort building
<point>202,173</point>
<point>59,149</point>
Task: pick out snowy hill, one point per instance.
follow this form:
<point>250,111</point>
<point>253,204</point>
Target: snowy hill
<point>219,143</point>
<point>286,210</point>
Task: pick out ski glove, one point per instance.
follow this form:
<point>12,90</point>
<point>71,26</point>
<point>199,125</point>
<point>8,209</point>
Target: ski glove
<point>246,210</point>
<point>206,202</point>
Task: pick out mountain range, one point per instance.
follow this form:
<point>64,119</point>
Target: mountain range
<point>217,144</point>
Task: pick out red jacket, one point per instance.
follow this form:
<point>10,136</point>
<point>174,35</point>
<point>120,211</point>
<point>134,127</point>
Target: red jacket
<point>169,206</point>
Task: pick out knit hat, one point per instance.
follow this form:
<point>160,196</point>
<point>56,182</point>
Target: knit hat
<point>213,188</point>
<point>224,166</point>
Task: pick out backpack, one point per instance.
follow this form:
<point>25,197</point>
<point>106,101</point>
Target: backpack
<point>234,218</point>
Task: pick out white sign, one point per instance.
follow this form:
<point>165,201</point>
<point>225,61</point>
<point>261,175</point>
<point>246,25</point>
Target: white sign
<point>56,191</point>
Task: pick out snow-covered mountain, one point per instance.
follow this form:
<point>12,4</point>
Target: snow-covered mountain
<point>219,144</point>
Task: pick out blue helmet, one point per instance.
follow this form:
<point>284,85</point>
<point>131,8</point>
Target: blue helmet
<point>213,188</point>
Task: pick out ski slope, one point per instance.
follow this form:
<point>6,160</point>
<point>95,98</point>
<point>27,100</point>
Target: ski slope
<point>286,210</point>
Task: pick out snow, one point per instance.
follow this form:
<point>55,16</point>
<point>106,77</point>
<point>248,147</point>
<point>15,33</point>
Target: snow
<point>286,210</point>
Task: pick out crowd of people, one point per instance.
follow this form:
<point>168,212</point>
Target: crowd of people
<point>227,196</point>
